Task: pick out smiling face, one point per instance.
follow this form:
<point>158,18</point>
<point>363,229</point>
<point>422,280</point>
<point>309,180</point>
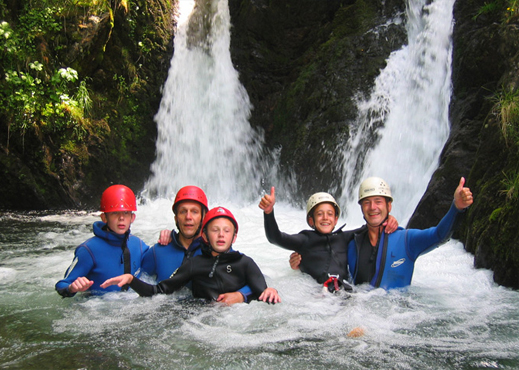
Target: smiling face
<point>118,222</point>
<point>375,210</point>
<point>323,218</point>
<point>220,235</point>
<point>188,218</point>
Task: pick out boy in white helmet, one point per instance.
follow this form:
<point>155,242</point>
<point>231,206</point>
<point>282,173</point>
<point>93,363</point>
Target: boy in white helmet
<point>387,261</point>
<point>323,250</point>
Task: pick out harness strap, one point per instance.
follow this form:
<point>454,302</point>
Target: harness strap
<point>126,258</point>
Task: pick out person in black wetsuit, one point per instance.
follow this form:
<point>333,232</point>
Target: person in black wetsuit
<point>217,270</point>
<point>323,250</point>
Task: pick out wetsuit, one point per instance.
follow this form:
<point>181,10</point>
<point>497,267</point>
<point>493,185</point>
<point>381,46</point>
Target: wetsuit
<point>323,255</point>
<point>164,260</point>
<point>210,276</point>
<point>396,253</point>
<point>100,258</point>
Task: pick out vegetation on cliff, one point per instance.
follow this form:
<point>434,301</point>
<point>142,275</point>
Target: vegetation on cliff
<point>80,83</point>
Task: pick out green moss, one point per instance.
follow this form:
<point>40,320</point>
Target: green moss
<point>495,214</point>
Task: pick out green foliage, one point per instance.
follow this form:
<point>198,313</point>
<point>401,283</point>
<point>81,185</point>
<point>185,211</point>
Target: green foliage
<point>506,107</point>
<point>494,216</point>
<point>35,96</point>
<point>512,11</point>
<point>496,7</point>
<point>511,185</point>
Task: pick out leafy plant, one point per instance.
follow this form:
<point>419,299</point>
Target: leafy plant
<point>494,6</point>
<point>506,107</point>
<point>511,184</point>
<point>497,7</point>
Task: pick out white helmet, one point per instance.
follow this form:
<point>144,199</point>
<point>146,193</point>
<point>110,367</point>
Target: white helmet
<point>374,186</point>
<point>319,198</point>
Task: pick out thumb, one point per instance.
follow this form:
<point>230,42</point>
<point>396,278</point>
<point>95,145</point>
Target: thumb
<point>272,191</point>
<point>462,182</point>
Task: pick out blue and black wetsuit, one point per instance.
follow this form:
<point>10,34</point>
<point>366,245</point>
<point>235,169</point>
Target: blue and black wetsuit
<point>100,258</point>
<point>163,260</point>
<point>396,253</point>
<point>210,276</point>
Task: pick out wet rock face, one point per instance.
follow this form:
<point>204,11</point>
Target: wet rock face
<point>485,59</point>
<point>303,63</point>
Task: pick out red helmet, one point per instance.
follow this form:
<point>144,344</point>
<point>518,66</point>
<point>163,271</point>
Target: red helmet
<point>219,212</point>
<point>190,193</point>
<point>118,198</point>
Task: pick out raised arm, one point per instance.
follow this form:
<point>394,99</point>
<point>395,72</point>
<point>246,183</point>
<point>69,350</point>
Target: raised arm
<point>423,241</point>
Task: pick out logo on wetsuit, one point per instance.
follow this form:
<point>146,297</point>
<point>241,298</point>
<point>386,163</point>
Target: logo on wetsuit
<point>398,263</point>
<point>229,269</point>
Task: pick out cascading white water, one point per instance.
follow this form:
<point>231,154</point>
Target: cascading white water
<point>410,100</point>
<point>452,316</point>
<point>204,137</point>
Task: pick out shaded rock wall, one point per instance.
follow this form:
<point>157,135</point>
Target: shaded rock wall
<point>486,58</point>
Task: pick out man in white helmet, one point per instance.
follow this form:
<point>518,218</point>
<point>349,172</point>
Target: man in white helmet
<point>323,250</point>
<point>387,261</point>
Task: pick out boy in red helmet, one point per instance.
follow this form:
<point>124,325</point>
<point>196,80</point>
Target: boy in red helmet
<point>111,252</point>
<point>217,270</point>
<point>176,247</point>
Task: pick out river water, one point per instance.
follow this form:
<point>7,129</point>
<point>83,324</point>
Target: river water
<point>453,316</point>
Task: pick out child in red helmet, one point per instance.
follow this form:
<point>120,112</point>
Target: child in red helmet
<point>111,252</point>
<point>217,270</point>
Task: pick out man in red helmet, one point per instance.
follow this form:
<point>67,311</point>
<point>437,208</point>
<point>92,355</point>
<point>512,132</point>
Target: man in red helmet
<point>175,248</point>
<point>218,269</point>
<point>112,251</point>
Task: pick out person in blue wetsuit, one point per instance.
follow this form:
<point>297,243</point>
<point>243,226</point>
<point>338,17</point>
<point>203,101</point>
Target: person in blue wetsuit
<point>324,250</point>
<point>175,248</point>
<point>112,251</point>
<point>217,270</point>
<point>387,260</point>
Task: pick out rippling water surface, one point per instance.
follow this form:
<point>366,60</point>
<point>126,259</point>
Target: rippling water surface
<point>453,316</point>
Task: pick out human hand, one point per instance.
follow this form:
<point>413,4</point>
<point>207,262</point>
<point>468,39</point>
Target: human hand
<point>295,261</point>
<point>230,298</point>
<point>80,285</point>
<point>391,224</point>
<point>462,196</point>
<point>268,200</point>
<point>165,237</point>
<point>270,295</point>
<point>120,281</point>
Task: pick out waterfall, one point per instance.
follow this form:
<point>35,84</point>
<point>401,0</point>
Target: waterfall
<point>204,137</point>
<point>406,114</point>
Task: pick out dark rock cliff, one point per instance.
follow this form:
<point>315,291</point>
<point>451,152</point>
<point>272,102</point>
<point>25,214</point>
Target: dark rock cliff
<point>485,60</point>
<point>302,62</point>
